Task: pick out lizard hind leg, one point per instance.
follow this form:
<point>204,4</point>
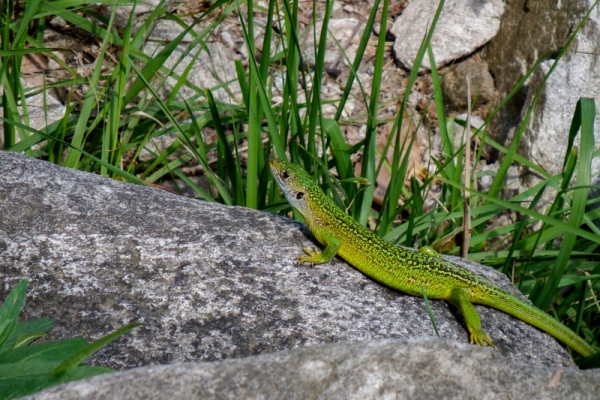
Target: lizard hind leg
<point>461,299</point>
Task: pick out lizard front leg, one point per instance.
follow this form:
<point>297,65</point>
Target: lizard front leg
<point>332,245</point>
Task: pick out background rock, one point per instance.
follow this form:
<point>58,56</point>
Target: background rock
<point>463,26</point>
<point>454,84</point>
<point>209,282</point>
<point>213,66</point>
<point>42,110</point>
<point>529,30</point>
<point>374,369</point>
<point>344,30</point>
<point>576,75</point>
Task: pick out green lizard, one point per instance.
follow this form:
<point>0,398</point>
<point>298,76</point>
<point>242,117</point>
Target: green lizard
<point>402,269</point>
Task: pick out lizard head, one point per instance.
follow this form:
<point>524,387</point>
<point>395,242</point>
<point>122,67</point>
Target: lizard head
<point>294,182</point>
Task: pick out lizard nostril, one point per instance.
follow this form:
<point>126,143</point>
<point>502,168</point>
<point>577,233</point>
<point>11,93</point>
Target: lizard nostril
<point>300,195</point>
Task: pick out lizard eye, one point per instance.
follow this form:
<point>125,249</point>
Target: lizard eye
<point>299,195</point>
<point>285,175</point>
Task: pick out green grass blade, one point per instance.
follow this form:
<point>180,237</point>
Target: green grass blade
<point>203,193</point>
<point>173,121</point>
<point>152,67</point>
<point>241,75</point>
<point>29,384</point>
<point>70,15</point>
<point>429,311</point>
<point>232,170</point>
<point>365,197</point>
<point>265,102</point>
<point>587,110</point>
<point>90,100</point>
<point>9,313</point>
<point>314,111</point>
<point>27,17</point>
<point>397,181</point>
<point>564,228</point>
<point>51,351</point>
<point>119,172</point>
<point>438,97</point>
<point>26,331</point>
<point>521,227</point>
<point>360,52</point>
<point>254,139</point>
<point>341,154</point>
<point>169,167</point>
<point>79,357</point>
<point>22,52</point>
<point>202,157</point>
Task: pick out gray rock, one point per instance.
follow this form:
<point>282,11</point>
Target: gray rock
<point>463,26</point>
<point>143,9</point>
<point>208,282</point>
<point>42,110</point>
<point>529,30</point>
<point>575,76</point>
<point>459,130</point>
<point>344,30</point>
<point>214,65</point>
<point>545,139</point>
<point>373,369</point>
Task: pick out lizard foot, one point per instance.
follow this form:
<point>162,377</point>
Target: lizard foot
<point>480,338</point>
<point>314,256</point>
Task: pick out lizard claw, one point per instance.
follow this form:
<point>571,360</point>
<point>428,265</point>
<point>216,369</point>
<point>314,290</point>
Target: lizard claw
<point>314,256</point>
<point>310,252</point>
<point>480,338</point>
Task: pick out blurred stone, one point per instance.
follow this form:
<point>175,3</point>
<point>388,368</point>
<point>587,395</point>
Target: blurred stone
<point>43,109</point>
<point>463,27</point>
<point>529,31</point>
<point>459,130</point>
<point>370,369</point>
<point>544,141</point>
<point>215,64</point>
<point>454,85</point>
<point>343,30</point>
<point>576,76</point>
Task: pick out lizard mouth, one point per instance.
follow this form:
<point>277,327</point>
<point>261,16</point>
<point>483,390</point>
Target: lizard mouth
<point>275,172</point>
<point>273,165</point>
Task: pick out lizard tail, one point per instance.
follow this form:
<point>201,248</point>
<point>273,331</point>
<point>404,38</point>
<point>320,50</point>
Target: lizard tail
<point>536,317</point>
